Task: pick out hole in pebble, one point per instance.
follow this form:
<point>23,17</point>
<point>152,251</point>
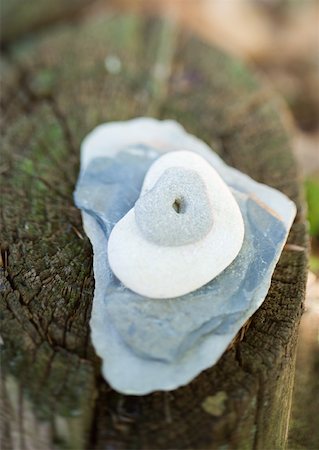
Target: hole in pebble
<point>178,205</point>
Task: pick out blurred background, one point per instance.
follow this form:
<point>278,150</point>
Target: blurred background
<point>280,40</point>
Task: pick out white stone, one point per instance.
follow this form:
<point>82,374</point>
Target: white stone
<point>158,271</point>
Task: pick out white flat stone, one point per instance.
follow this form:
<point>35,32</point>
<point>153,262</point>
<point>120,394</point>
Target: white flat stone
<point>160,271</point>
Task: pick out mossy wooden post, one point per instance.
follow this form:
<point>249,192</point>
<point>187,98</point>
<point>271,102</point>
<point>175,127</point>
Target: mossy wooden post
<point>57,87</point>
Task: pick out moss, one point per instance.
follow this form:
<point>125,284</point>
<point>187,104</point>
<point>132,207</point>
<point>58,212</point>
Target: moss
<point>43,83</point>
<point>312,194</point>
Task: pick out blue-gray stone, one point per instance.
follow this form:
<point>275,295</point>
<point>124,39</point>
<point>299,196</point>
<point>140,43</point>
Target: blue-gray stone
<point>159,344</point>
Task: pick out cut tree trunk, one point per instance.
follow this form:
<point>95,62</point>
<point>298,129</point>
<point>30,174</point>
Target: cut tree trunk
<point>57,87</point>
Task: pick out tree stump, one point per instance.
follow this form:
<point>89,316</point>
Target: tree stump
<point>57,86</point>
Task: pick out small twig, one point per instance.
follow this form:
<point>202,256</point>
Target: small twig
<point>77,232</point>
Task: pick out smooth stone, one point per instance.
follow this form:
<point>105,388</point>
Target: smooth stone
<point>160,271</point>
<point>176,211</point>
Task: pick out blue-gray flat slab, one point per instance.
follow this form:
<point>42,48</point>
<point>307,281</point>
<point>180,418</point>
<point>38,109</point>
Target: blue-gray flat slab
<point>160,344</point>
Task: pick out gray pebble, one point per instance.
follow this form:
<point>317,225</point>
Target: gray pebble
<point>176,211</point>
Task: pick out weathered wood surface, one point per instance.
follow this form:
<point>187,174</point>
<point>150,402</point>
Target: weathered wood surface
<point>18,17</point>
<point>56,88</point>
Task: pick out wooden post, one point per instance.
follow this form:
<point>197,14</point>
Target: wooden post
<point>56,88</point>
